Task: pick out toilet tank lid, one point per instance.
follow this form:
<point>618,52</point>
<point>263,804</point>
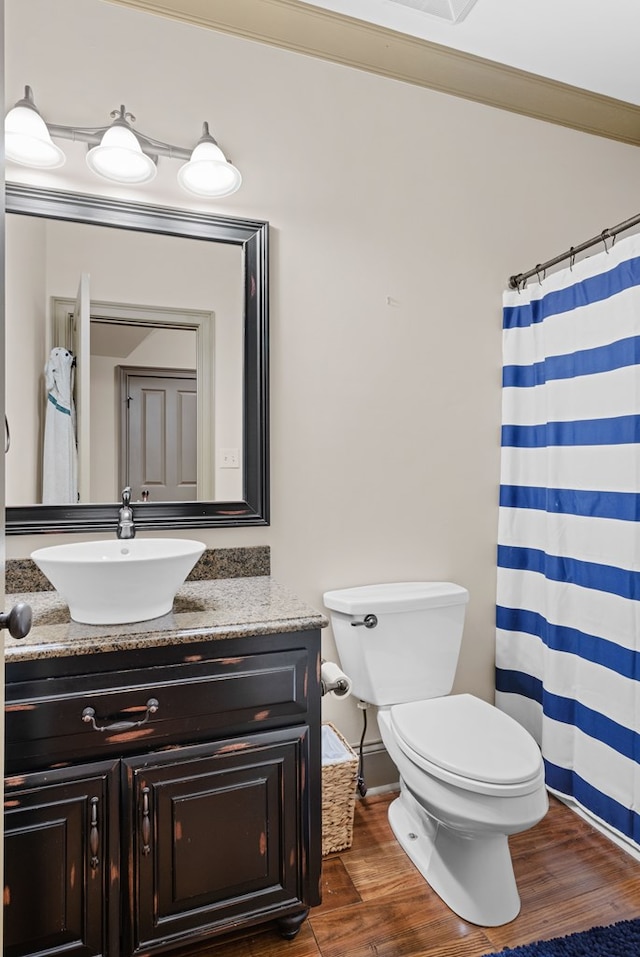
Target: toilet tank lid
<point>394,597</point>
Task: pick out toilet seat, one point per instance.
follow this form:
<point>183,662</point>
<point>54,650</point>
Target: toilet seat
<point>465,741</point>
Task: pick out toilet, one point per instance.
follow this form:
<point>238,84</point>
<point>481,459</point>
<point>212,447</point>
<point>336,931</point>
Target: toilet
<point>470,775</point>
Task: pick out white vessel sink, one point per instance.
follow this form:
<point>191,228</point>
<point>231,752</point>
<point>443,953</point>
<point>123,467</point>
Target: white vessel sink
<point>118,581</point>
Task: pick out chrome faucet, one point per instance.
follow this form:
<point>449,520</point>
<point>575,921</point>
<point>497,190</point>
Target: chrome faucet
<point>126,527</point>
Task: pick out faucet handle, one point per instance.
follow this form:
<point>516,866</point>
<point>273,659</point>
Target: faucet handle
<point>126,496</point>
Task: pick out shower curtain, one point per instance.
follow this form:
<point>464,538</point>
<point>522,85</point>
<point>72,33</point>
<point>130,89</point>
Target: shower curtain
<point>568,593</point>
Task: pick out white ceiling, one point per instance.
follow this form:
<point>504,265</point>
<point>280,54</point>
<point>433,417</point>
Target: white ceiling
<point>593,44</point>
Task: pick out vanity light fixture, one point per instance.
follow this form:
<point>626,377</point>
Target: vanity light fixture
<point>117,152</point>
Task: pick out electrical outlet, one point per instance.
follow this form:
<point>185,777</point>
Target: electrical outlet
<point>229,458</point>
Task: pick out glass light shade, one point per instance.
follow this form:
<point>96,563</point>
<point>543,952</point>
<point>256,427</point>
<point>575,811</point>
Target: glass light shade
<point>119,157</point>
<point>27,140</point>
<point>208,173</point>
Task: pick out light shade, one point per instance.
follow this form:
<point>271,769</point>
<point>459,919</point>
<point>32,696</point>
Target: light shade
<point>208,173</point>
<point>119,157</point>
<point>27,139</point>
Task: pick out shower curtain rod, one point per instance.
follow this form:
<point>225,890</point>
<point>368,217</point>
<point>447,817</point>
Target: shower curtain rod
<point>516,281</point>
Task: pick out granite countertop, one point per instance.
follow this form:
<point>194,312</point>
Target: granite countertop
<point>216,609</point>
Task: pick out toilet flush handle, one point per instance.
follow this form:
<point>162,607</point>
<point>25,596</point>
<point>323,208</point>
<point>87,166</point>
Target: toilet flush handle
<point>369,621</point>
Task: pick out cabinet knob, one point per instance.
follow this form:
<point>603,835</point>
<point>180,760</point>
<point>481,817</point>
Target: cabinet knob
<point>18,620</point>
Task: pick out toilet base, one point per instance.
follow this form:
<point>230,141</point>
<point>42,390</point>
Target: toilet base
<point>473,875</point>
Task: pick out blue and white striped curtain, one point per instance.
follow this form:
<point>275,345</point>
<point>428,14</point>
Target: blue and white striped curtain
<point>568,616</point>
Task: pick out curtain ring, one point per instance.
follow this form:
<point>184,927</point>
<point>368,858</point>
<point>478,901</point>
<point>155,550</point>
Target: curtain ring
<point>604,236</point>
<point>544,273</point>
<point>572,258</point>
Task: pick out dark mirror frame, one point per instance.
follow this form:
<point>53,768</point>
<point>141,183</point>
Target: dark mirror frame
<point>253,237</point>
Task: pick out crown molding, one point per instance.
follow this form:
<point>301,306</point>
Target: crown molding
<point>314,31</point>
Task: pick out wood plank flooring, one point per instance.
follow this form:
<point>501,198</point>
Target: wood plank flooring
<point>376,904</point>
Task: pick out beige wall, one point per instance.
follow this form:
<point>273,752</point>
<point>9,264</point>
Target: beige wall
<point>397,216</point>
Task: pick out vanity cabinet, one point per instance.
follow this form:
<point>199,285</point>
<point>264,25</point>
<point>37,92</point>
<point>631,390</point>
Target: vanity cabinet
<point>160,796</point>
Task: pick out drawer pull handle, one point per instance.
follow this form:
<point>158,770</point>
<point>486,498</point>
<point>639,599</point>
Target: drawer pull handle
<point>146,823</point>
<point>89,717</point>
<point>94,835</point>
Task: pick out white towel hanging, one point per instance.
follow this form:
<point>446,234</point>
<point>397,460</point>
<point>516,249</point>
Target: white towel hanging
<point>60,455</point>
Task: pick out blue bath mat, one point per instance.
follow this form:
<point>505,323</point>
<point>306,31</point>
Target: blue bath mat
<point>616,940</point>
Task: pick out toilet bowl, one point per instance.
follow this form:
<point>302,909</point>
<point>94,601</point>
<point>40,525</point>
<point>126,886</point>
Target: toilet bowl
<point>470,775</point>
<point>453,819</point>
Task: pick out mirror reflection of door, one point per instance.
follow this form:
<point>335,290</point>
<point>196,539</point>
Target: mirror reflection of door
<point>158,455</point>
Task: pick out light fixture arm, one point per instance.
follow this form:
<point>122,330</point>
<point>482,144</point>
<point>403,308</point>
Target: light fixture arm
<point>27,100</point>
<point>93,134</point>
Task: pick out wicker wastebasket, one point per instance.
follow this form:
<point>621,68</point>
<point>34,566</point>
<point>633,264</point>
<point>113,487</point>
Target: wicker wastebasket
<point>339,779</point>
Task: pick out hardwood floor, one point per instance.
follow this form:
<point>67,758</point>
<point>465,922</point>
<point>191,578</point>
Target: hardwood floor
<point>376,904</point>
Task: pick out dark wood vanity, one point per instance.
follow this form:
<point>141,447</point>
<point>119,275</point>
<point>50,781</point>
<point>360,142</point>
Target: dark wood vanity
<point>163,780</point>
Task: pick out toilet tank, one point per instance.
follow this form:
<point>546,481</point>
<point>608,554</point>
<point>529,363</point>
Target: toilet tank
<point>412,651</point>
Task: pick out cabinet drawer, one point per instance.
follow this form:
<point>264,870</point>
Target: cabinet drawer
<point>119,711</point>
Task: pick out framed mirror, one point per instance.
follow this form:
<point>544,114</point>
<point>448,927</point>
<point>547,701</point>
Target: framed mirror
<point>217,339</point>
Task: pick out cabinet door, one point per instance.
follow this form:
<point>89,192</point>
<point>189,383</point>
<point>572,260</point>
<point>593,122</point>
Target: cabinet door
<point>218,836</point>
<point>61,829</point>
